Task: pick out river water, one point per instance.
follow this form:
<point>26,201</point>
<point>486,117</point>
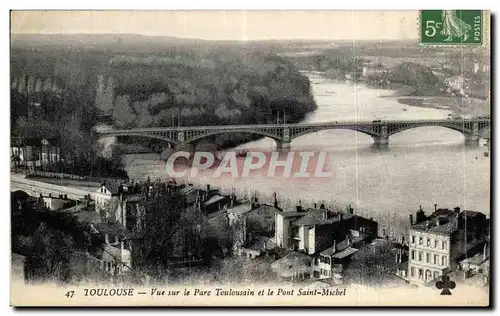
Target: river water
<point>423,166</point>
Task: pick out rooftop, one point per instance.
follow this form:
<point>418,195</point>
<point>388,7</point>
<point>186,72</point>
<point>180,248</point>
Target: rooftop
<point>475,260</point>
<point>112,186</point>
<point>433,226</point>
<point>345,253</point>
<point>240,209</point>
<point>264,208</point>
<point>318,217</point>
<point>291,213</point>
<point>214,199</point>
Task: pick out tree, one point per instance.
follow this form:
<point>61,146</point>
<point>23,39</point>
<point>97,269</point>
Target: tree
<point>50,256</point>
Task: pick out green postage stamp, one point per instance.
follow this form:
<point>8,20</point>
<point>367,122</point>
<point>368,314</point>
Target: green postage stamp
<point>451,27</point>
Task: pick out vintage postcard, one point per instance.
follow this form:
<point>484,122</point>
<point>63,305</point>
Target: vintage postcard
<point>250,158</point>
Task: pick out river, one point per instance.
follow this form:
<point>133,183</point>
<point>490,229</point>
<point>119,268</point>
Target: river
<point>423,166</point>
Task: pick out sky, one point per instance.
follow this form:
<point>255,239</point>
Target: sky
<point>225,25</point>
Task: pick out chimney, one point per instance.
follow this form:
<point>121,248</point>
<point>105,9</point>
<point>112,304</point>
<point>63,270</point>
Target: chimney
<point>275,200</point>
<point>411,219</point>
<point>383,232</point>
<point>435,207</point>
<point>457,209</point>
<point>437,222</point>
<point>106,238</point>
<point>65,196</point>
<point>315,205</point>
<point>341,216</point>
<point>208,187</point>
<point>402,240</point>
<point>299,206</point>
<point>322,206</point>
<point>400,256</point>
<point>334,246</point>
<point>50,195</point>
<point>351,210</point>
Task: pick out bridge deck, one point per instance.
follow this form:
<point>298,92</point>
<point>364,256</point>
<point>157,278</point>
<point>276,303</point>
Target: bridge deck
<point>319,124</point>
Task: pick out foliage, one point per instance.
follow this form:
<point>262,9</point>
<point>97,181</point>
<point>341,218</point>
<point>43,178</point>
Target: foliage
<point>50,255</point>
<point>191,85</point>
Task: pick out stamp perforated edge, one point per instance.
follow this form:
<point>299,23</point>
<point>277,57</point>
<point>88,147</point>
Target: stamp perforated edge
<point>485,34</point>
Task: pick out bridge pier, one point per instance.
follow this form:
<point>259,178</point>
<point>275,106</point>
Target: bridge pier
<point>471,139</point>
<point>282,145</point>
<point>380,141</point>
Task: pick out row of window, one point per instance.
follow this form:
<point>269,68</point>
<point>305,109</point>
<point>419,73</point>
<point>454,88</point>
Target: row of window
<point>430,242</point>
<point>429,257</point>
<point>428,276</point>
<point>326,272</point>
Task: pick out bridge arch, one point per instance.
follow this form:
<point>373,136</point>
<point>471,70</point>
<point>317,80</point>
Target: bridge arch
<point>320,129</point>
<point>193,139</point>
<point>19,195</point>
<point>141,135</point>
<point>464,131</point>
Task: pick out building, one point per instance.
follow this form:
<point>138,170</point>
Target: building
<point>439,241</point>
<point>54,203</point>
<point>116,259</point>
<point>317,229</point>
<point>373,71</point>
<point>107,191</point>
<point>328,238</point>
<point>293,266</point>
<point>32,153</point>
<point>251,224</point>
<point>326,266</point>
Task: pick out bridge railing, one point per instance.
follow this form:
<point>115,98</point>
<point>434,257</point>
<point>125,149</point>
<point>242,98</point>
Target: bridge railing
<point>340,123</point>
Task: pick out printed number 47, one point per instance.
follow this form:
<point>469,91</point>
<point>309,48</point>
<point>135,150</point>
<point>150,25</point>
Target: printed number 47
<point>70,294</point>
<point>430,28</point>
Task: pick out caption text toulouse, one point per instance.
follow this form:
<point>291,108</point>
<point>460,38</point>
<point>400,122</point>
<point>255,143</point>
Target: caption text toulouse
<point>216,292</point>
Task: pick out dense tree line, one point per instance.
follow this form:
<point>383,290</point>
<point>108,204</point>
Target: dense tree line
<point>193,85</point>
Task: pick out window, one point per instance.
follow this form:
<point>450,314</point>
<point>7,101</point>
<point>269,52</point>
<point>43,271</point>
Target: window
<point>435,243</point>
<point>413,239</point>
<point>436,259</point>
<point>421,241</point>
<point>421,274</point>
<point>443,261</point>
<point>443,245</point>
<point>436,275</point>
<point>102,190</point>
<point>412,272</point>
<point>428,242</point>
<point>420,256</point>
<point>413,255</point>
<point>427,257</point>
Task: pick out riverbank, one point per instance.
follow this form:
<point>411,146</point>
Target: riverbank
<point>403,94</point>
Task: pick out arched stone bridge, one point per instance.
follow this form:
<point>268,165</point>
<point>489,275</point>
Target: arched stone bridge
<point>283,134</point>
